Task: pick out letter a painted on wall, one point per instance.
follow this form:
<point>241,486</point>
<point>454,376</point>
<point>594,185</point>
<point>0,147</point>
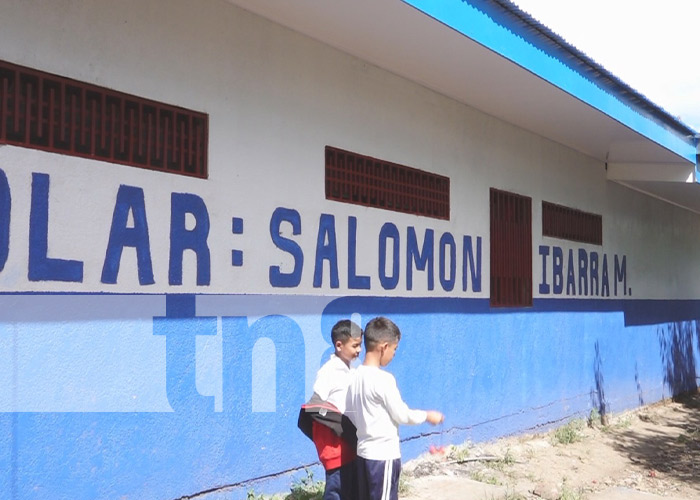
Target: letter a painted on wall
<point>326,249</point>
<point>129,198</point>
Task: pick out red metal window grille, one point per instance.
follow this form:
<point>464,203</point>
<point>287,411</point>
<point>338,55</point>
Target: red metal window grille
<point>48,112</point>
<point>570,224</point>
<point>363,180</point>
<point>511,249</point>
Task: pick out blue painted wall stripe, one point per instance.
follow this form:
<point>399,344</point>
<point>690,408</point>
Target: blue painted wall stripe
<point>492,371</point>
<point>502,37</point>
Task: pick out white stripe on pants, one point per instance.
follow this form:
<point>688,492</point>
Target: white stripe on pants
<point>386,490</point>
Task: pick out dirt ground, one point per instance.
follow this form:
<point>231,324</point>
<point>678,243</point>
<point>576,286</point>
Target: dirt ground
<point>651,452</point>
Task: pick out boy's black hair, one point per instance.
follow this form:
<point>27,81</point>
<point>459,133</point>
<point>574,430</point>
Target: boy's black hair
<point>379,330</point>
<point>345,329</point>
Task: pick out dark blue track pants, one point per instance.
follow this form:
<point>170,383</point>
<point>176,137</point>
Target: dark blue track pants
<point>341,483</point>
<point>378,479</point>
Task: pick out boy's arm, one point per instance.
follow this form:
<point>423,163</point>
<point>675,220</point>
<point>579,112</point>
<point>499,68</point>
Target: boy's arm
<point>321,384</point>
<point>398,409</point>
<point>435,417</point>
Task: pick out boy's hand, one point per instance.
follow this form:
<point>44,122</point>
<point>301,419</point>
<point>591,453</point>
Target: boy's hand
<point>434,417</point>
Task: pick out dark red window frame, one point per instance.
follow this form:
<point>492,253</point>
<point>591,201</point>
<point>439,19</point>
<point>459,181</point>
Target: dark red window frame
<point>568,223</point>
<point>43,111</point>
<point>363,180</point>
<point>511,249</point>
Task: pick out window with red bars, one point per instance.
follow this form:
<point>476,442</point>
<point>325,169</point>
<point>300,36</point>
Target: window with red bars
<point>363,180</point>
<point>43,111</point>
<point>570,224</point>
<point>511,249</point>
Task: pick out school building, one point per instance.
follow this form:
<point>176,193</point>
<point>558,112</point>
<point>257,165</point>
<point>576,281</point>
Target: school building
<point>192,192</point>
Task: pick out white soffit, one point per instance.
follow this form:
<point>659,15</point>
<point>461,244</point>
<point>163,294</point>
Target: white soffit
<point>403,40</point>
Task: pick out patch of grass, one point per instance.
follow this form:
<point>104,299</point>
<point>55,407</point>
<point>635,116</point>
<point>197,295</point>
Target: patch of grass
<point>302,489</point>
<point>690,436</point>
<point>306,488</point>
<point>458,453</point>
<point>624,422</point>
<point>483,477</point>
<point>683,439</point>
<point>620,424</point>
<point>505,462</point>
<point>568,493</point>
<point>251,495</point>
<point>404,485</point>
<point>570,433</point>
<point>533,477</point>
<point>593,417</point>
<point>509,495</point>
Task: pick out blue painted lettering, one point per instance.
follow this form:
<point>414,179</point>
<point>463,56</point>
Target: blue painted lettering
<point>277,277</point>
<point>5,206</point>
<point>355,282</point>
<point>129,199</point>
<point>422,258</point>
<point>588,269</point>
<point>448,281</point>
<point>239,339</point>
<point>42,267</point>
<point>544,286</point>
<point>582,272</point>
<point>557,270</point>
<point>621,274</point>
<point>570,276</point>
<point>594,273</point>
<point>605,283</point>
<point>389,231</point>
<point>326,249</point>
<point>182,239</point>
<point>180,327</point>
<point>474,267</point>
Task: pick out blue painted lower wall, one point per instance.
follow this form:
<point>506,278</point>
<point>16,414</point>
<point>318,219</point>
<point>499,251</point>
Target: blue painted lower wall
<point>162,397</point>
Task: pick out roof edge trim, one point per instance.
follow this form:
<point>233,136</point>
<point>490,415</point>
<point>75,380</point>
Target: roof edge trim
<point>635,112</point>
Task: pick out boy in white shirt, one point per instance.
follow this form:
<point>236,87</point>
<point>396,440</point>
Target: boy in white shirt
<point>375,406</point>
<point>322,419</point>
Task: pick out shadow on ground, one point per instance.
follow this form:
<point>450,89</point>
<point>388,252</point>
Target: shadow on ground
<point>674,452</point>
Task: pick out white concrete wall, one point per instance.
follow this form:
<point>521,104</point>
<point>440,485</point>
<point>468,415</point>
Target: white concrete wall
<point>102,395</point>
<point>275,99</point>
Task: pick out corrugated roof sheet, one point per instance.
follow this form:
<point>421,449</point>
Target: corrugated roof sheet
<point>514,18</point>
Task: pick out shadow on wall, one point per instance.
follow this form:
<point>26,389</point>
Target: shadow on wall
<point>598,400</point>
<point>678,355</point>
<point>638,383</point>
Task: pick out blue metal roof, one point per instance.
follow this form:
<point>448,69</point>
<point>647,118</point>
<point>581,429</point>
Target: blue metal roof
<point>553,43</point>
<point>503,27</point>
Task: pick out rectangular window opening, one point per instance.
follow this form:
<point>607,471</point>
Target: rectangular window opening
<point>52,113</point>
<point>571,224</point>
<point>363,180</point>
<point>511,249</point>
